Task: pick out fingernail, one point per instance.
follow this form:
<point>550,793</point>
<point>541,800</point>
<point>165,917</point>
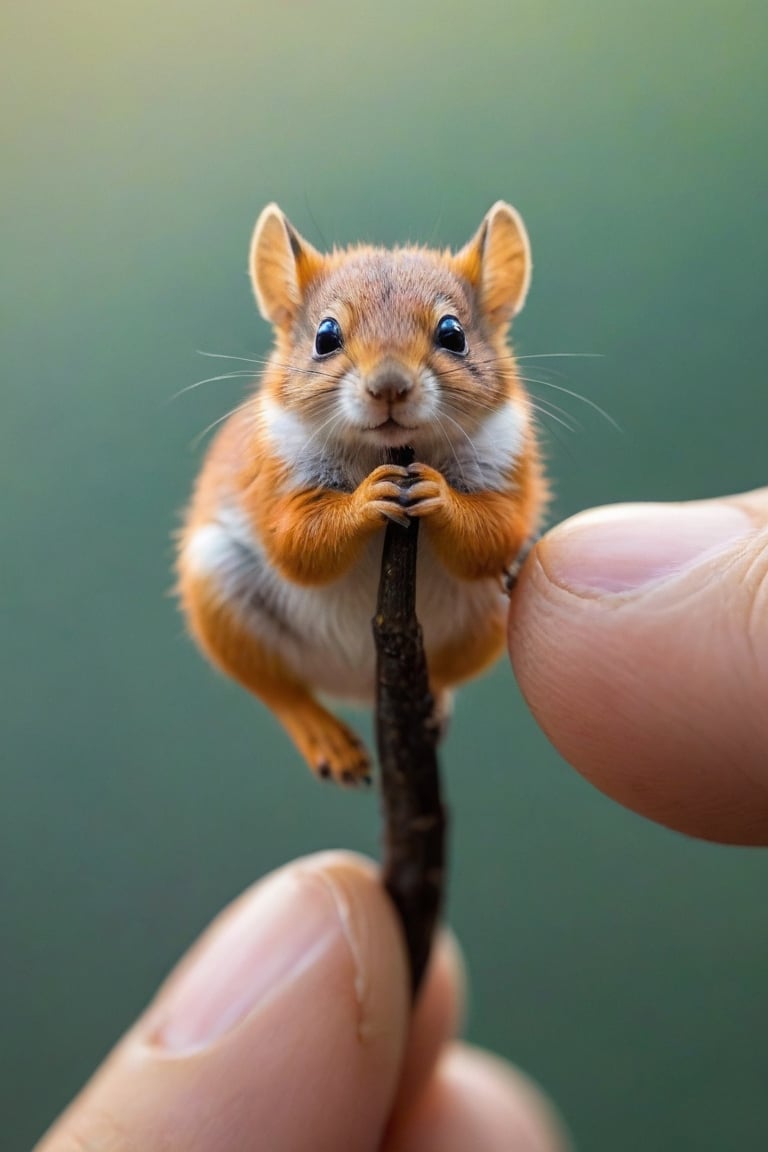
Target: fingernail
<point>627,546</point>
<point>270,938</point>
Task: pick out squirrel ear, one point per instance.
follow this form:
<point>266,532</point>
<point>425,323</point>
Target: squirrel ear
<point>497,263</point>
<point>281,265</point>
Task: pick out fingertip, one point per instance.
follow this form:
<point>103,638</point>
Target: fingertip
<point>655,691</point>
<point>375,940</point>
<point>478,1101</point>
<point>436,1020</point>
<point>288,1018</point>
<point>629,547</point>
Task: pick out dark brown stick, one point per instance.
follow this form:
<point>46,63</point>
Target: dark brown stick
<point>407,735</point>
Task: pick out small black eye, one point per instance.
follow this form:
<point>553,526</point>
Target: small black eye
<point>327,338</point>
<point>450,335</point>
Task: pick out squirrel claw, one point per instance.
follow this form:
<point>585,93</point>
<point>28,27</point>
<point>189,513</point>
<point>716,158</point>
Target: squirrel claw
<point>342,758</point>
<point>509,576</point>
<point>392,512</point>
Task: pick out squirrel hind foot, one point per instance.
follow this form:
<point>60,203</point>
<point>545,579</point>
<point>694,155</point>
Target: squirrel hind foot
<point>331,749</point>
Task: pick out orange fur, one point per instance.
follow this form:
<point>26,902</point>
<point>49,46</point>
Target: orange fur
<point>278,554</point>
<point>329,746</point>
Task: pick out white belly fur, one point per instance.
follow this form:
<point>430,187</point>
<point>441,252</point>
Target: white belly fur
<point>324,633</point>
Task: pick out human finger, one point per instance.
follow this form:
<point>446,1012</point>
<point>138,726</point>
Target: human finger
<point>284,1027</point>
<point>639,637</point>
<point>436,1020</point>
<point>477,1101</point>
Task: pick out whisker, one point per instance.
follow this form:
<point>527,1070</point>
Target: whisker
<point>227,356</point>
<point>532,356</point>
<point>558,355</point>
<point>552,416</point>
<point>212,380</point>
<point>532,380</point>
<point>336,419</point>
<point>460,370</point>
<point>537,405</point>
<point>449,442</point>
<point>201,435</point>
<point>584,399</point>
<point>335,415</point>
<point>545,384</point>
<point>471,405</point>
<point>463,431</point>
<point>537,401</point>
<point>299,371</point>
<point>553,430</point>
<point>265,361</point>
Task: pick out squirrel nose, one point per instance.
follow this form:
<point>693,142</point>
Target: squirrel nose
<point>389,383</point>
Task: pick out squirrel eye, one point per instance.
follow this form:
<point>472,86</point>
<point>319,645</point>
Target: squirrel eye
<point>328,337</point>
<point>450,335</point>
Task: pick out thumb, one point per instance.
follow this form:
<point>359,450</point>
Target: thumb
<point>639,637</point>
<point>283,1028</point>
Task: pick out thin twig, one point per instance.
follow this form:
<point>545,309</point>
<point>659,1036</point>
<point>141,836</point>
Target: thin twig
<point>407,736</point>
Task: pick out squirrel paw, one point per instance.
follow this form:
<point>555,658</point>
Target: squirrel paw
<point>334,752</point>
<point>383,492</point>
<point>331,749</point>
<point>427,491</point>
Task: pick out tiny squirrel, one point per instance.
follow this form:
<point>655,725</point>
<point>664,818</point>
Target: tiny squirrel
<point>279,556</point>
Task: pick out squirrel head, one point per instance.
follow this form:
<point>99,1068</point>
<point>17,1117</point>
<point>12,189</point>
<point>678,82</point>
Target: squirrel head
<point>389,347</point>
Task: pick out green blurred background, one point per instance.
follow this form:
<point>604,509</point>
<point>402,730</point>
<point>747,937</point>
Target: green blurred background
<point>622,965</point>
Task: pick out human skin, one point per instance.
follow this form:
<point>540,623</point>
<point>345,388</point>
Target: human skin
<point>639,637</point>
